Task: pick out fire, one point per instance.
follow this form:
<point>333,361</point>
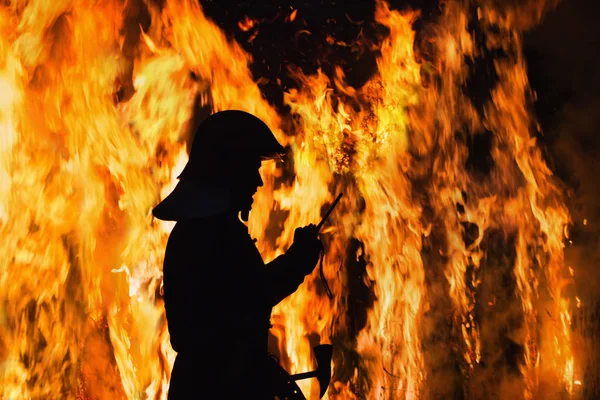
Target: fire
<point>96,100</point>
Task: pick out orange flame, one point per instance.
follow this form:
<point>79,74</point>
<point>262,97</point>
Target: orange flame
<point>94,121</point>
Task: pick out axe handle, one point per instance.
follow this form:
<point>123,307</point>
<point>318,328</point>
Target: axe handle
<point>304,375</point>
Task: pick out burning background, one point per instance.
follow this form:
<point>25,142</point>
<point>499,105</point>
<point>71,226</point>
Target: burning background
<point>461,258</point>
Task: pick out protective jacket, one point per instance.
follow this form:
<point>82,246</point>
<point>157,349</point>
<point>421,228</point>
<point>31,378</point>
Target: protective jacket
<point>218,296</point>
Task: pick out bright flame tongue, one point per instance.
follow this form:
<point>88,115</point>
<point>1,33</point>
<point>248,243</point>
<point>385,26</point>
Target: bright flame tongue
<point>93,115</point>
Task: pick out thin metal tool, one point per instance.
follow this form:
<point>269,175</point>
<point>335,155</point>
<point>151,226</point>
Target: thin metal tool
<point>337,199</point>
<point>322,273</point>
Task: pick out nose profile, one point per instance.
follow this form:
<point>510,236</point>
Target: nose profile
<point>259,181</point>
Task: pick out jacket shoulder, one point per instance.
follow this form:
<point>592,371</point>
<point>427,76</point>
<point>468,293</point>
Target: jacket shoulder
<point>192,232</point>
<point>190,242</point>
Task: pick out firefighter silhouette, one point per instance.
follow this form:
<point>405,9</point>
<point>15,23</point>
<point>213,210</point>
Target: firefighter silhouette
<point>218,292</point>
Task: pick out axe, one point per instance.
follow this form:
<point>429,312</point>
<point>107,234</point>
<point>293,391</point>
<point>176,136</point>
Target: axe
<point>323,354</point>
<point>284,384</point>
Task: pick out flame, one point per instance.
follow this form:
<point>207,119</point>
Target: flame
<point>246,24</point>
<point>96,106</point>
<point>292,15</point>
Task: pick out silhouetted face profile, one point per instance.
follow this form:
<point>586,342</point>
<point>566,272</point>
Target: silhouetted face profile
<point>242,194</point>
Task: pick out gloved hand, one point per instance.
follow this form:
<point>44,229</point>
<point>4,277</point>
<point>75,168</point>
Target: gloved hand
<point>307,247</point>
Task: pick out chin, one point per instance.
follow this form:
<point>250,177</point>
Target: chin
<point>245,210</point>
<point>245,214</point>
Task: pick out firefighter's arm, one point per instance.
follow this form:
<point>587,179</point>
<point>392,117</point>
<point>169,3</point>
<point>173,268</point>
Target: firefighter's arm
<point>287,272</point>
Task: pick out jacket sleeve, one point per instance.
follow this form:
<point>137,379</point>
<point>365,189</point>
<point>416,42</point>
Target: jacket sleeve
<point>285,274</point>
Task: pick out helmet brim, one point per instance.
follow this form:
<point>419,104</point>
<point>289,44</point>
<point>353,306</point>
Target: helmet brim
<point>192,200</point>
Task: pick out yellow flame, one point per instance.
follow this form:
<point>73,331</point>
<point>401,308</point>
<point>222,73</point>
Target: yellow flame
<point>94,122</point>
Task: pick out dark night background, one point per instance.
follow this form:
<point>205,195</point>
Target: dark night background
<point>563,54</point>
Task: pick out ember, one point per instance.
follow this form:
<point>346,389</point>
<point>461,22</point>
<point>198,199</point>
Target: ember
<point>447,268</point>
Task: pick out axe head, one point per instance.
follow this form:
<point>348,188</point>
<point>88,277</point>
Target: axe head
<point>323,354</point>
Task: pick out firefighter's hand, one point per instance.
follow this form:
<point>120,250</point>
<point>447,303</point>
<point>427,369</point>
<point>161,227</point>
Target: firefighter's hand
<point>308,246</point>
